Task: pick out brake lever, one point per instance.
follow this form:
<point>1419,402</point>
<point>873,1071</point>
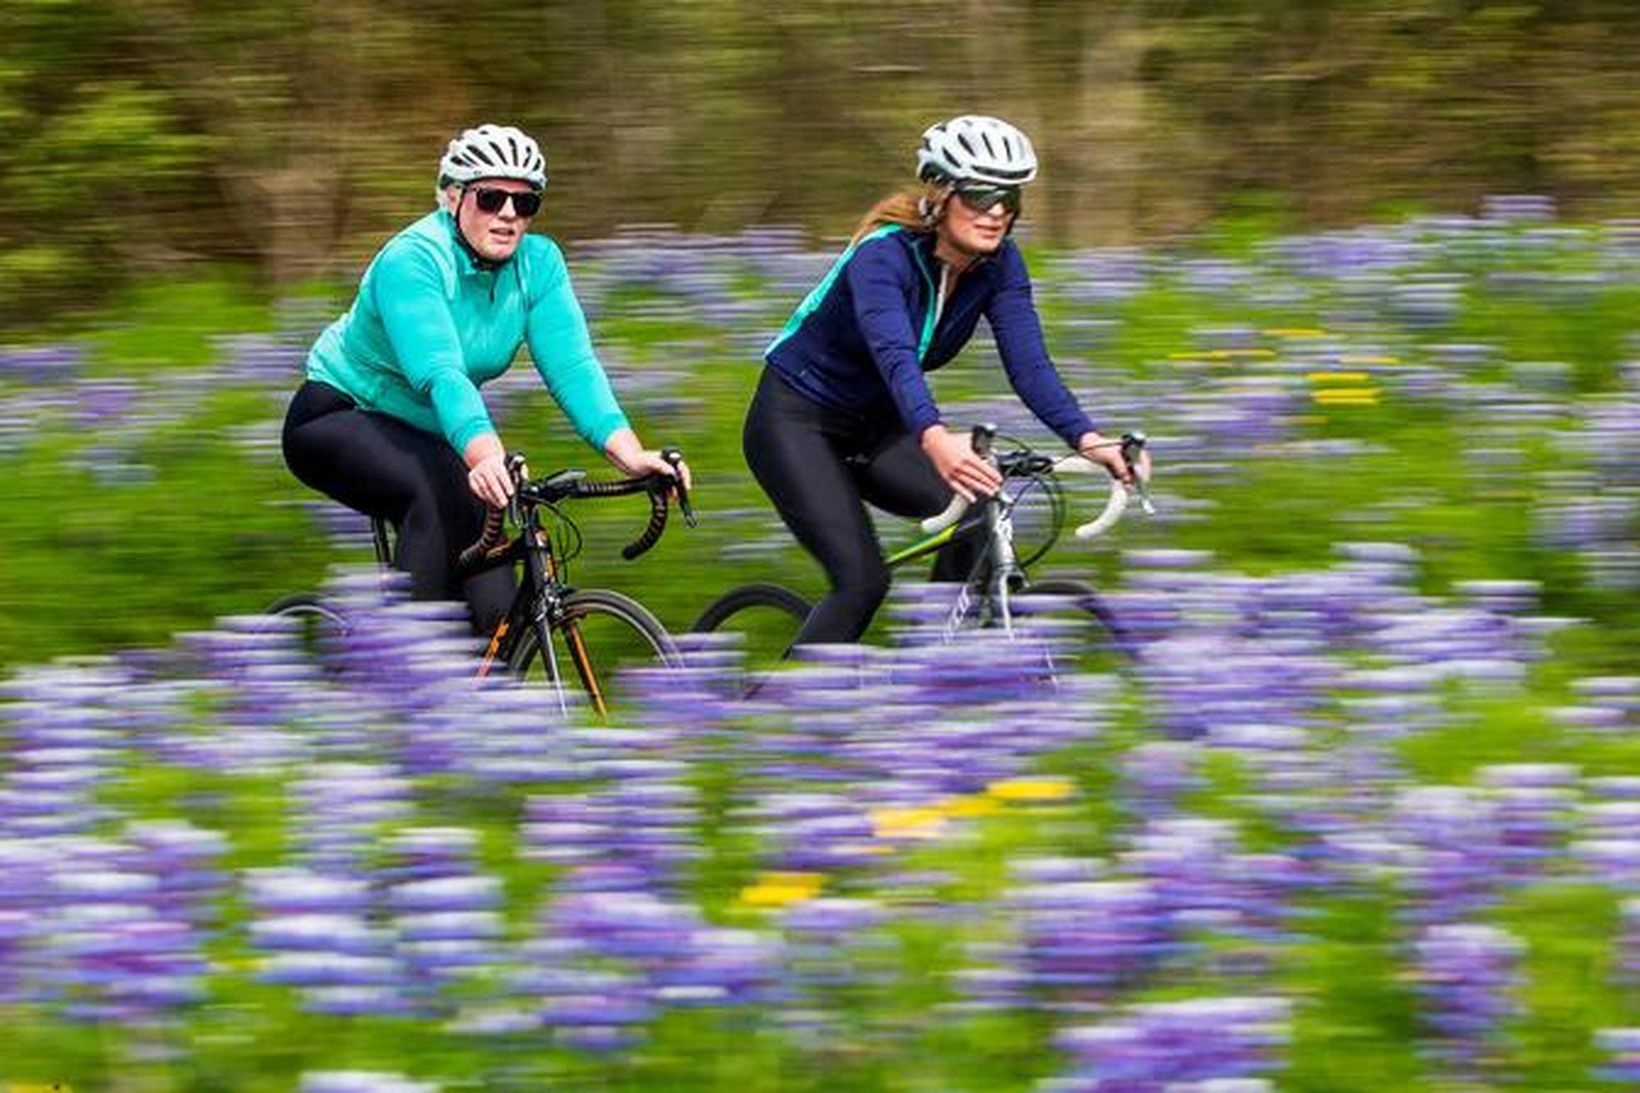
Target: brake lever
<point>673,457</point>
<point>1133,447</point>
<point>518,472</point>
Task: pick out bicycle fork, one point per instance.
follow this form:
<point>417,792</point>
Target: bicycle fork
<point>583,667</point>
<point>1004,570</point>
<point>544,611</point>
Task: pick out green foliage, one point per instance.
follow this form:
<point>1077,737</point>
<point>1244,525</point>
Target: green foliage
<point>111,135</point>
<point>144,132</point>
<point>172,324</point>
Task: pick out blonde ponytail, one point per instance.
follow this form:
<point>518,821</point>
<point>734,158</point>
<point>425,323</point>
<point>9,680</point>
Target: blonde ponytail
<point>915,210</point>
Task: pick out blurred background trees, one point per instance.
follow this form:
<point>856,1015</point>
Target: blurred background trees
<point>291,134</point>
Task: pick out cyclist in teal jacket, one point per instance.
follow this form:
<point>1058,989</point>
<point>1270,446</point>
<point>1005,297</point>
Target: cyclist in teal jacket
<point>390,420</point>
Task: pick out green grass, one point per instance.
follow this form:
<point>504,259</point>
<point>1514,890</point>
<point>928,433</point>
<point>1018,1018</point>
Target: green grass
<point>170,324</point>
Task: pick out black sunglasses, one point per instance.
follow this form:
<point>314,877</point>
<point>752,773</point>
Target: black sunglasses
<point>525,203</point>
<point>982,198</point>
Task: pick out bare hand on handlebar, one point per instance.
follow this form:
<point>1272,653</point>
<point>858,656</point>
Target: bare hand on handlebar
<point>634,460</point>
<point>1112,455</point>
<point>954,458</point>
<point>487,473</point>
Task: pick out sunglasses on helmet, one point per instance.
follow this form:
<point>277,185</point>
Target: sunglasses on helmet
<point>982,197</point>
<point>525,203</point>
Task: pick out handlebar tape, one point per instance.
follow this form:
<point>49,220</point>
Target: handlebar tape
<point>493,536</point>
<point>652,533</point>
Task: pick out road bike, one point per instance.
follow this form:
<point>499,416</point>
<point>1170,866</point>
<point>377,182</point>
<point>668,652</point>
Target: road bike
<point>550,621</point>
<point>999,589</point>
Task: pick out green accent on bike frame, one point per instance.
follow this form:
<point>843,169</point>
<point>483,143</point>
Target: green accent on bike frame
<point>918,549</point>
<point>817,294</point>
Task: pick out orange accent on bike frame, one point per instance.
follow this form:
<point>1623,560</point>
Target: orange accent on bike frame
<point>583,666</point>
<point>493,648</point>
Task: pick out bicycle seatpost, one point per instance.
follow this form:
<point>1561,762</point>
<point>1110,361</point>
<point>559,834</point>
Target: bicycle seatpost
<point>673,457</point>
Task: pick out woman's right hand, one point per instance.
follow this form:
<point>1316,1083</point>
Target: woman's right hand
<point>954,458</point>
<point>487,474</point>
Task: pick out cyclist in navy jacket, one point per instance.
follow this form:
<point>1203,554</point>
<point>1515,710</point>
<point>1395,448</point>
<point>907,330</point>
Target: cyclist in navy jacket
<point>843,414</point>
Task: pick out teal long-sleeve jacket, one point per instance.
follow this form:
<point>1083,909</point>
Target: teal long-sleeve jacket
<point>429,325</point>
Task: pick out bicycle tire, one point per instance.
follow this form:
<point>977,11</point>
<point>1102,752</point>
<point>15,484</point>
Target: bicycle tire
<point>768,616</point>
<point>627,634</point>
<point>747,597</point>
<point>1084,600</point>
<point>324,626</point>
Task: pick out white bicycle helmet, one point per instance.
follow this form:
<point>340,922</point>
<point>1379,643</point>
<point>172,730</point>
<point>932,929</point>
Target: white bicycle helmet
<point>493,151</point>
<point>976,148</point>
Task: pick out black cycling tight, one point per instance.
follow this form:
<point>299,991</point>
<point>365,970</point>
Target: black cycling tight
<point>819,466</point>
<point>385,468</point>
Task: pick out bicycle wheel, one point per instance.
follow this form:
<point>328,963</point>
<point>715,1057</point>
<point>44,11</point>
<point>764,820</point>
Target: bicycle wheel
<point>595,634</point>
<point>1092,635</point>
<point>767,617</point>
<point>320,626</point>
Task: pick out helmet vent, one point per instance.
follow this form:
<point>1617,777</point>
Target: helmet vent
<point>976,148</point>
<point>493,151</point>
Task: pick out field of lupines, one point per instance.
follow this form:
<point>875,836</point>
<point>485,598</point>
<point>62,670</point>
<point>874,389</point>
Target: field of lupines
<point>1364,813</point>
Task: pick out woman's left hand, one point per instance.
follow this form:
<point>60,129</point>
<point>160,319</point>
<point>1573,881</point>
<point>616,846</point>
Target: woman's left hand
<point>628,453</point>
<point>1108,454</point>
<point>651,462</point>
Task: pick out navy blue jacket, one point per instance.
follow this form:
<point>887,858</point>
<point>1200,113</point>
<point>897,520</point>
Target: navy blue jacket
<point>862,339</point>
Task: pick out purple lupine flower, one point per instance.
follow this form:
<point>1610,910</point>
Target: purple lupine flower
<point>1613,860</point>
<point>446,914</point>
<point>1459,857</point>
<point>993,978</point>
<point>1614,787</point>
<point>183,858</point>
<point>1205,890</point>
<point>1468,978</point>
<point>1607,851</point>
<point>39,366</point>
<point>360,1081</point>
<point>1100,276</point>
<point>342,808</point>
<point>112,948</point>
<point>1082,941</point>
<point>1622,1048</point>
<point>1534,806</point>
<point>831,947</point>
<point>1612,692</point>
<point>1196,1044</point>
<point>1157,773</point>
<point>25,904</point>
<point>104,402</point>
<point>565,829</point>
<point>318,939</point>
<point>259,359</point>
<point>662,955</point>
<point>595,1011</point>
<point>723,967</point>
<point>1518,208</point>
<point>810,831</point>
<point>66,742</point>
